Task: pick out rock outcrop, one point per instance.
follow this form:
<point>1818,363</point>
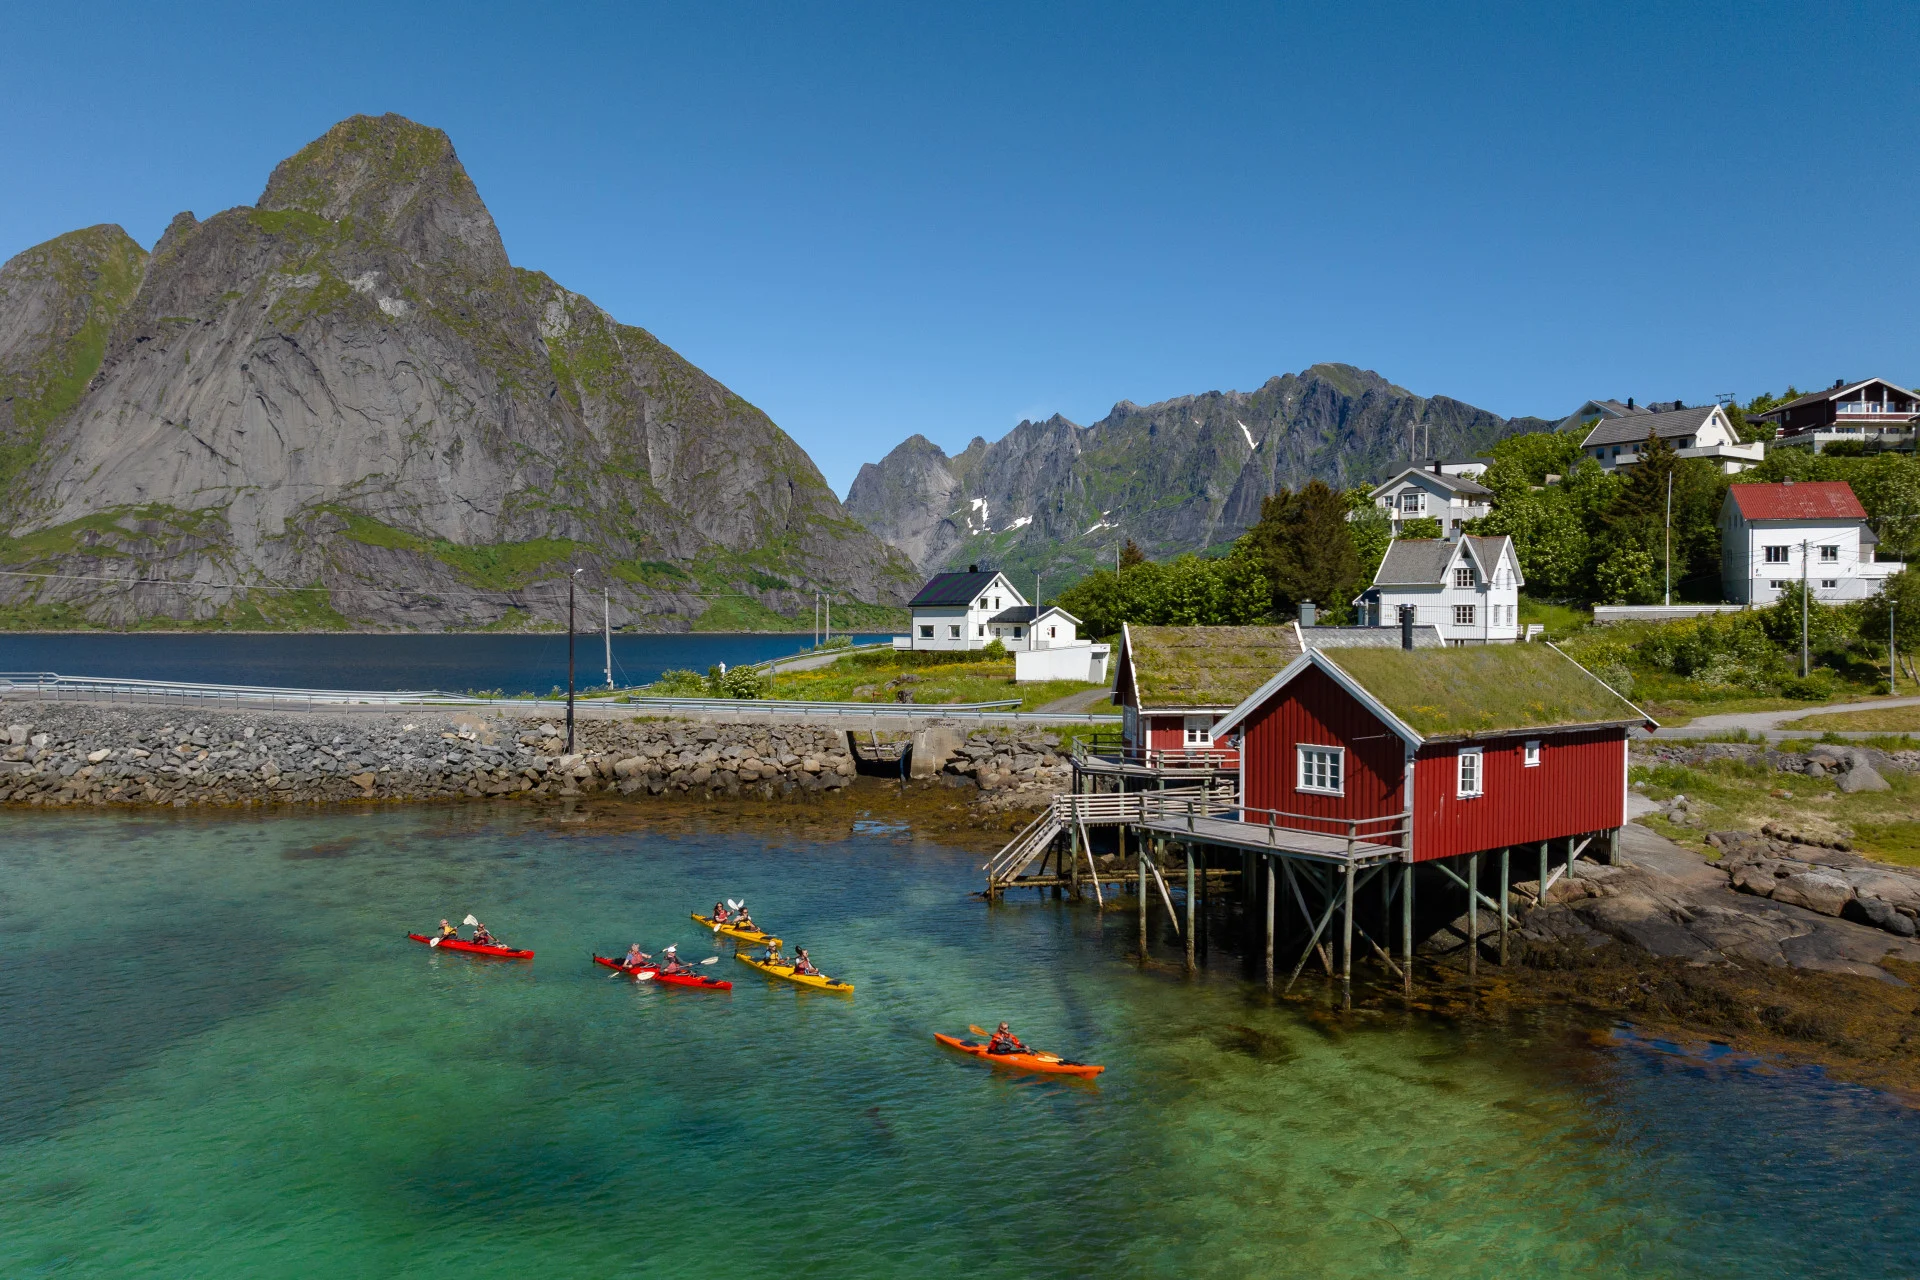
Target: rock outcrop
<point>1181,475</point>
<point>349,389</point>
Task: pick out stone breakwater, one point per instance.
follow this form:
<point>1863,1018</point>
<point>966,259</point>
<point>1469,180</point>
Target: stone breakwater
<point>55,754</point>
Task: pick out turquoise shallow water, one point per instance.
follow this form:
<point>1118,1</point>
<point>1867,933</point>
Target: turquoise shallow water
<point>258,1075</point>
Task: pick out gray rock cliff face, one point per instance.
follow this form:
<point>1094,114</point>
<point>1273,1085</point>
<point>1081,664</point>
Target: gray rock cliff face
<point>348,387</point>
<point>1181,475</point>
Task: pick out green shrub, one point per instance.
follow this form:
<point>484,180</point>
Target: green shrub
<point>994,651</point>
<point>677,684</point>
<point>737,682</point>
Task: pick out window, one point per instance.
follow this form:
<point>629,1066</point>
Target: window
<point>1322,770</point>
<point>1828,584</point>
<point>1777,555</point>
<point>1019,633</point>
<point>1830,555</point>
<point>1199,731</point>
<point>1413,502</point>
<point>953,631</point>
<point>1052,632</point>
<point>1463,576</point>
<point>996,602</point>
<point>926,631</point>
<point>1463,615</point>
<point>1470,773</point>
<point>1531,757</point>
<point>982,630</point>
<point>1778,585</point>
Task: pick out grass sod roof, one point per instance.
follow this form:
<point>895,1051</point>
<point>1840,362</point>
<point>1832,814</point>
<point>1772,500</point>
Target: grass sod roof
<point>1176,667</point>
<point>1465,690</point>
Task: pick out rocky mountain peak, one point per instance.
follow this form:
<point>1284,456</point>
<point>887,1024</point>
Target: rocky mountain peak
<point>400,180</point>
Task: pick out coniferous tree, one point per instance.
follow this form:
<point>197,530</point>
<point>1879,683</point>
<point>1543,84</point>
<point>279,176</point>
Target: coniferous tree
<point>1305,546</point>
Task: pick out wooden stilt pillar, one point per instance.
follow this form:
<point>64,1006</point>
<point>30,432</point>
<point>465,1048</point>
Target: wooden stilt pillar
<point>1272,894</point>
<point>1473,915</point>
<point>1406,927</point>
<point>1205,929</point>
<point>1503,906</point>
<point>1346,945</point>
<point>1190,913</point>
<point>1143,851</point>
<point>1540,898</point>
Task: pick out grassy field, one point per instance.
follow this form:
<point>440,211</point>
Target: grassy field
<point>1730,795</point>
<point>881,677</point>
<point>1885,720</point>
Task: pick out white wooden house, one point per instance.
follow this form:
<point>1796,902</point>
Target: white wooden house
<point>1468,588</point>
<point>1433,493</point>
<point>1703,432</point>
<point>971,610</point>
<point>1774,536</point>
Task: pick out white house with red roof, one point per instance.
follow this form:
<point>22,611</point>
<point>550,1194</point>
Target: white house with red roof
<point>1774,536</point>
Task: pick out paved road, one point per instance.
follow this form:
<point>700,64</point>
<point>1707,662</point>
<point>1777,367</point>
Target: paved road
<point>1086,700</point>
<point>1769,724</point>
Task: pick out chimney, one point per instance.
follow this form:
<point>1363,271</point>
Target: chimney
<point>1309,616</point>
<point>1629,402</point>
<point>973,568</point>
<point>1436,466</point>
<point>1406,626</point>
<point>1839,382</point>
<point>1677,406</point>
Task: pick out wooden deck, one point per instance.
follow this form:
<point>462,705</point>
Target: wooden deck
<point>1261,837</point>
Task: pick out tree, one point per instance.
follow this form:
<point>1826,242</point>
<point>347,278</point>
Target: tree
<point>1371,528</point>
<point>1527,460</point>
<point>1422,528</point>
<point>1131,555</point>
<point>1189,590</point>
<point>1626,576</point>
<point>1304,546</point>
<point>1548,540</point>
<point>1902,596</point>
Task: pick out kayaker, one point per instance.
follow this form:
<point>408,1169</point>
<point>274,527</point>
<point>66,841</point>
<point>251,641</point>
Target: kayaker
<point>481,938</point>
<point>720,915</point>
<point>635,958</point>
<point>773,955</point>
<point>447,931</point>
<point>741,920</point>
<point>1004,1041</point>
<point>802,964</point>
<point>673,962</point>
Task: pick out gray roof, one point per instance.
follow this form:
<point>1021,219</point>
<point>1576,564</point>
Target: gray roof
<point>1030,613</point>
<point>1671,425</point>
<point>1425,636</point>
<point>1459,484</point>
<point>954,588</point>
<point>1414,562</point>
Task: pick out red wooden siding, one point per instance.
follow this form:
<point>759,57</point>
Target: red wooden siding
<point>1313,709</point>
<point>1578,786</point>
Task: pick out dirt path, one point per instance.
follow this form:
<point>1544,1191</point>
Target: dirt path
<point>1770,724</point>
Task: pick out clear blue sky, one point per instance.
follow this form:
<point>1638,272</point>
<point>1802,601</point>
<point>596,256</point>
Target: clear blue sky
<point>873,220</point>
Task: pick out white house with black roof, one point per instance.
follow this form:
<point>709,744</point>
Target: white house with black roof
<point>1431,492</point>
<point>1467,589</point>
<point>1703,432</point>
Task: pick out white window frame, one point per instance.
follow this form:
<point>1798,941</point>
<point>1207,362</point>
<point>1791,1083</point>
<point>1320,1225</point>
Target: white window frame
<point>1413,502</point>
<point>1830,553</point>
<point>1829,584</point>
<point>1327,762</point>
<point>1463,575</point>
<point>926,631</point>
<point>1530,754</point>
<point>1777,555</point>
<point>1198,731</point>
<point>1470,773</point>
<point>1463,615</point>
<point>953,631</point>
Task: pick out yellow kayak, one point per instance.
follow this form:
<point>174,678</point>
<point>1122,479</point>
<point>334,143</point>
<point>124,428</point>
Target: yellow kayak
<point>745,935</point>
<point>820,980</point>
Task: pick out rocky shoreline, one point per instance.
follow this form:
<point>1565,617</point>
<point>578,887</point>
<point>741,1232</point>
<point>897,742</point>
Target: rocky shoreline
<point>72,754</point>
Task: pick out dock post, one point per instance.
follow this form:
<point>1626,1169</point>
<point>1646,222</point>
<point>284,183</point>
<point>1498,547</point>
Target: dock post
<point>1540,898</point>
<point>1189,930</point>
<point>1406,927</point>
<point>1142,868</point>
<point>1473,915</point>
<point>1503,906</point>
<point>1346,944</point>
<point>1272,893</point>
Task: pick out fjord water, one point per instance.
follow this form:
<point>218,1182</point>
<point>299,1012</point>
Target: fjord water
<point>219,1057</point>
<point>453,663</point>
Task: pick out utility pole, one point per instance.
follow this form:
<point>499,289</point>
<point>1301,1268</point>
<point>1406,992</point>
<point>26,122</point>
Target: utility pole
<point>1669,538</point>
<point>827,634</point>
<point>570,581</point>
<point>1893,663</point>
<point>1805,583</point>
<point>606,617</point>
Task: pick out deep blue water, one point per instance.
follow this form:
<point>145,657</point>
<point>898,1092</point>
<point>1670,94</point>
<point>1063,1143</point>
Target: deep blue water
<point>456,663</point>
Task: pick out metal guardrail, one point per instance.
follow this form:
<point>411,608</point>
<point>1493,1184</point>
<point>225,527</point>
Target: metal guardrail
<point>49,684</point>
<point>98,688</point>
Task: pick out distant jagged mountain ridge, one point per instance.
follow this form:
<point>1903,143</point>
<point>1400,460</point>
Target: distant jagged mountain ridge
<point>349,388</point>
<point>1182,475</point>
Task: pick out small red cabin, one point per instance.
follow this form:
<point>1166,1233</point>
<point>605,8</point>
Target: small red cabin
<point>1174,684</point>
<point>1466,749</point>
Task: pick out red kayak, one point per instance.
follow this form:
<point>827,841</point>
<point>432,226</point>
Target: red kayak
<point>670,979</point>
<point>455,944</point>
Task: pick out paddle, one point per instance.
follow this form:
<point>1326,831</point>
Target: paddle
<point>1043,1057</point>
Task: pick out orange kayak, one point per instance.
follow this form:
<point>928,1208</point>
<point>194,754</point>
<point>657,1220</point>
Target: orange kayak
<point>1045,1062</point>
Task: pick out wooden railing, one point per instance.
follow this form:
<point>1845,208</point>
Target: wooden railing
<point>1391,829</point>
